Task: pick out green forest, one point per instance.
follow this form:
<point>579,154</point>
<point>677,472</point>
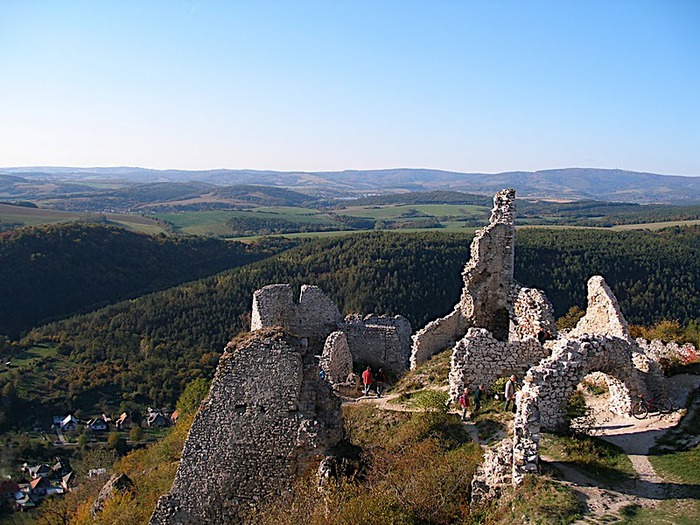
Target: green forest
<point>54,271</point>
<point>143,351</point>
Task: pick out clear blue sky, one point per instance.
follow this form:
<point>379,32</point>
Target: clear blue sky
<point>297,85</point>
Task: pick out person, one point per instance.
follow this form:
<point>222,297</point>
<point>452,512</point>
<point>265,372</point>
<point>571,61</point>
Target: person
<point>322,374</point>
<point>478,395</point>
<point>380,379</point>
<point>511,385</point>
<point>367,379</point>
<point>464,402</point>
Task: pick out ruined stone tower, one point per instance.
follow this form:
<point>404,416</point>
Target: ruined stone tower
<point>267,419</point>
<point>491,300</point>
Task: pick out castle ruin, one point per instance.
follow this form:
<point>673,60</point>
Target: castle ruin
<point>374,340</point>
<point>267,419</point>
<point>499,326</point>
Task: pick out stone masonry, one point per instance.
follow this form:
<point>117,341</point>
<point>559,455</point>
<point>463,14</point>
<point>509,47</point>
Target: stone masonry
<point>336,360</point>
<point>379,341</point>
<point>490,298</point>
<point>268,418</point>
<point>600,342</point>
<point>479,358</point>
<point>315,316</point>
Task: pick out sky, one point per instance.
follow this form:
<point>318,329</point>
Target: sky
<point>469,86</point>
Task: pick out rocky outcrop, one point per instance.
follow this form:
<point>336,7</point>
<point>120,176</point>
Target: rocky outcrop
<point>268,418</point>
<point>494,473</point>
<point>117,484</point>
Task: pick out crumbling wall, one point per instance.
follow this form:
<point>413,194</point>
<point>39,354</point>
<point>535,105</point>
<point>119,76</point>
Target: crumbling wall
<point>603,314</point>
<point>336,359</point>
<point>315,316</point>
<point>494,473</point>
<point>479,358</point>
<point>488,275</point>
<point>380,341</point>
<point>377,340</point>
<point>671,352</point>
<point>438,335</point>
<point>268,418</point>
<point>573,359</point>
<point>490,297</point>
<point>533,314</point>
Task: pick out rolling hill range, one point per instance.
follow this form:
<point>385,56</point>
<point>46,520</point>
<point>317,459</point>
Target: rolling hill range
<point>567,183</point>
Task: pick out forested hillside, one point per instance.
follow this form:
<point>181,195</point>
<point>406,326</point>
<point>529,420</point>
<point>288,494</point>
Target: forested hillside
<point>59,270</point>
<point>145,350</point>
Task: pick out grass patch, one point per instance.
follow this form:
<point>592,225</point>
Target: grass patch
<point>681,466</point>
<point>538,500</point>
<point>597,458</point>
<point>676,512</point>
<point>434,372</point>
<point>676,455</point>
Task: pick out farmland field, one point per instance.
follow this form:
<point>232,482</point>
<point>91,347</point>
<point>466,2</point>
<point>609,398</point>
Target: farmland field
<point>21,216</point>
<point>215,222</point>
<point>401,210</point>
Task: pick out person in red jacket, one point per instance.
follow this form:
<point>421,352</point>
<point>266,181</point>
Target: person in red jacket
<point>367,379</point>
<point>464,403</point>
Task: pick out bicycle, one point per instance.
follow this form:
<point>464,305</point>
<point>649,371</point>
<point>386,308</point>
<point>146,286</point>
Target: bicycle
<point>660,404</point>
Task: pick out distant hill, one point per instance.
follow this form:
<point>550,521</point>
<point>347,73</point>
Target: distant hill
<point>59,270</point>
<point>568,183</point>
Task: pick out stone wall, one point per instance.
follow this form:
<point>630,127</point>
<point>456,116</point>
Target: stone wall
<point>488,274</point>
<point>438,335</point>
<point>490,298</point>
<point>379,341</point>
<point>532,314</point>
<point>268,418</point>
<point>336,360</point>
<point>479,358</point>
<point>315,316</point>
<point>603,315</point>
<point>672,351</point>
<point>376,340</point>
<point>572,359</point>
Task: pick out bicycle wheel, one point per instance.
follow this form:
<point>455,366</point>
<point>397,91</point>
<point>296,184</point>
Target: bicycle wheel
<point>664,405</point>
<point>640,410</point>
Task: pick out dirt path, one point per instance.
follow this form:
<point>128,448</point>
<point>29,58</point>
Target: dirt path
<point>385,403</point>
<point>635,438</point>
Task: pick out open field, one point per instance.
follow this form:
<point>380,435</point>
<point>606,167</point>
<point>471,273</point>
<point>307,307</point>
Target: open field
<point>213,223</point>
<point>395,211</point>
<point>18,215</point>
<point>654,225</point>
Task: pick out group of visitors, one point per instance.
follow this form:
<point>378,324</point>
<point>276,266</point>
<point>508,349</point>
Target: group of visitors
<point>378,379</point>
<point>465,401</point>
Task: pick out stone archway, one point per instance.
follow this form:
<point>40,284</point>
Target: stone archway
<point>548,386</point>
<point>557,376</point>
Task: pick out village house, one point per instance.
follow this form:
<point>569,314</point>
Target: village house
<point>38,471</point>
<point>68,423</point>
<point>123,422</point>
<point>156,420</point>
<point>97,424</point>
<point>38,488</point>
